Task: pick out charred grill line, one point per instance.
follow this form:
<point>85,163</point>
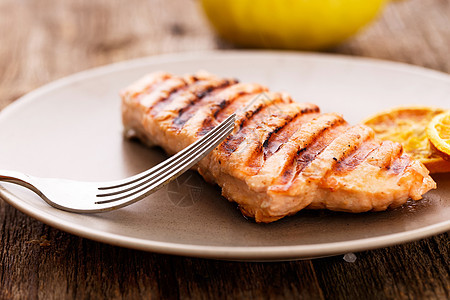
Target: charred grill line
<point>156,107</point>
<point>222,104</point>
<point>226,102</point>
<point>352,161</point>
<point>250,114</point>
<point>272,126</point>
<point>303,111</point>
<point>185,113</point>
<point>149,88</point>
<point>302,142</point>
<point>346,144</point>
<point>265,144</point>
<point>309,110</point>
<point>302,150</point>
<point>203,93</point>
<point>208,123</point>
<point>273,138</point>
<point>235,139</point>
<point>306,155</point>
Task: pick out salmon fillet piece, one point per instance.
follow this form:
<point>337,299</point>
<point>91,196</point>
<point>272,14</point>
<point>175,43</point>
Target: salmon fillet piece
<point>282,156</point>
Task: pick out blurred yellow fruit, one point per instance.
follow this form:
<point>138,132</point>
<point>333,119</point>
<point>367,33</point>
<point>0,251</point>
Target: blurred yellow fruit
<point>290,24</point>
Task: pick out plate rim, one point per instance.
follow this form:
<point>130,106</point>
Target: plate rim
<point>259,253</point>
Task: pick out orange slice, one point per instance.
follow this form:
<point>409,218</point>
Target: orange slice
<point>408,126</point>
<point>438,132</point>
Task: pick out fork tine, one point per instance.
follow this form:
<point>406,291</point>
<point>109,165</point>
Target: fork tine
<point>175,161</point>
<point>154,170</point>
<point>171,171</point>
<point>141,191</point>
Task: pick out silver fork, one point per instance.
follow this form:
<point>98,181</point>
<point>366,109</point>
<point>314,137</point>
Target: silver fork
<point>91,197</point>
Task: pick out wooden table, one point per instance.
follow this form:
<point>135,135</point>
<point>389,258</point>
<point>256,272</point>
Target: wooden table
<point>43,40</point>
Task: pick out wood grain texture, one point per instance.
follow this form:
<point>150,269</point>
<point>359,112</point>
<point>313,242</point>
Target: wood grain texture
<point>43,40</point>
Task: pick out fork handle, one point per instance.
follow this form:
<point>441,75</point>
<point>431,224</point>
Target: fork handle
<point>12,176</point>
<point>18,178</point>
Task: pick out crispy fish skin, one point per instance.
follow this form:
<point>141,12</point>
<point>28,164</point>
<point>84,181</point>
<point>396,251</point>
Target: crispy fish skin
<point>282,156</point>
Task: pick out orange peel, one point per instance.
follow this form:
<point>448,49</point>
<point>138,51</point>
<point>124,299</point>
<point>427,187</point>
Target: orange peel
<point>408,126</point>
<point>438,132</point>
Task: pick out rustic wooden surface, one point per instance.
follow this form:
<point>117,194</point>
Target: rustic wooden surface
<point>43,40</point>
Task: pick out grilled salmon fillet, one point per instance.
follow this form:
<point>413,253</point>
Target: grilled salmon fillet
<point>282,156</point>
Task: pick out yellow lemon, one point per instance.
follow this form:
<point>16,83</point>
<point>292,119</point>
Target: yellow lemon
<point>290,24</point>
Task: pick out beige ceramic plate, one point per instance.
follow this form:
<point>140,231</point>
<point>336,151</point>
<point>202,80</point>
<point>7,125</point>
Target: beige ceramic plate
<point>72,129</point>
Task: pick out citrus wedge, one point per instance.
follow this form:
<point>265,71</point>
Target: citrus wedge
<point>438,132</point>
<point>408,126</point>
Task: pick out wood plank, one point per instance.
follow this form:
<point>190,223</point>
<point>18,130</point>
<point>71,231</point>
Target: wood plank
<point>399,272</point>
<point>44,40</point>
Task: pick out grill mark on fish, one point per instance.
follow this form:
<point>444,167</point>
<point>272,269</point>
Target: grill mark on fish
<point>399,165</point>
<point>195,87</point>
<point>249,115</point>
<point>243,128</point>
<point>352,161</point>
<point>207,126</point>
<point>221,110</point>
<point>185,113</point>
<point>235,105</point>
<point>220,107</point>
<point>283,161</point>
<point>150,89</point>
<point>304,156</point>
<point>265,144</point>
<point>275,138</point>
<point>145,86</point>
<point>163,101</point>
<point>222,104</point>
<point>325,161</point>
<point>162,91</point>
<point>277,141</point>
<point>253,146</point>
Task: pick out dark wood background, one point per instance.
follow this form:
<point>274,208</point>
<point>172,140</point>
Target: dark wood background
<point>43,40</point>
